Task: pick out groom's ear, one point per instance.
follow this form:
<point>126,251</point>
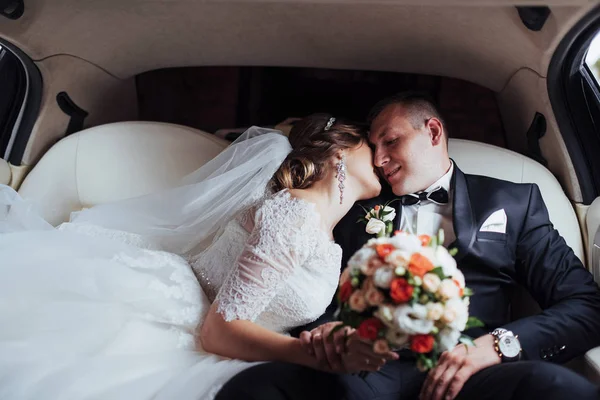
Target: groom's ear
<point>436,131</point>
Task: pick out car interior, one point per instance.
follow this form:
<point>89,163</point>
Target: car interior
<point>101,101</point>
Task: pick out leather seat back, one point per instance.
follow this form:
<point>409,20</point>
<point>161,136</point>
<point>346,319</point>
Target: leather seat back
<point>126,159</point>
<point>113,162</point>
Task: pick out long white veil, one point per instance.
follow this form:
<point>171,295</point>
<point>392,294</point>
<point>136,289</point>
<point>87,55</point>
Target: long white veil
<point>181,218</point>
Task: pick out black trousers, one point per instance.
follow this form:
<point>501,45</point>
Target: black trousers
<point>399,380</point>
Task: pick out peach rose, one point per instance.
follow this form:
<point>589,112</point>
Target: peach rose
<point>357,301</point>
<point>431,282</point>
<point>374,297</point>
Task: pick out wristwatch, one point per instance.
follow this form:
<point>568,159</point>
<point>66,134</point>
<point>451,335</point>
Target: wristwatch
<point>507,345</point>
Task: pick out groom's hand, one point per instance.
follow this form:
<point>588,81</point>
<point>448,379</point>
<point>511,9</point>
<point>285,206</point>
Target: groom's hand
<point>455,367</point>
<point>326,348</point>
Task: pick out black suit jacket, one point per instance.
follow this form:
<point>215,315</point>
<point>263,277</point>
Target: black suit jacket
<point>531,254</point>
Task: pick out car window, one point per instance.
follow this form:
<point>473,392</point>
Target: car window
<point>13,88</point>
<point>592,58</point>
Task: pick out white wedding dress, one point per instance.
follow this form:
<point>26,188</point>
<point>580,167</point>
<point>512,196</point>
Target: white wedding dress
<point>88,312</point>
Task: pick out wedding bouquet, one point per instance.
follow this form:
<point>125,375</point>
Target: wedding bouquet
<point>405,291</point>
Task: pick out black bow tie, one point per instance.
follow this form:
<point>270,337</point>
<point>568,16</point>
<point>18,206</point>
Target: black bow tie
<point>438,196</point>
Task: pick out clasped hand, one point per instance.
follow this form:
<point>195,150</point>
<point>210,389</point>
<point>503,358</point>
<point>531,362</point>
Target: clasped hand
<point>343,351</point>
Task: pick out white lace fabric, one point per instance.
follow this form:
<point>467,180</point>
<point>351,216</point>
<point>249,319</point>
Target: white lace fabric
<point>281,274</point>
<point>101,313</point>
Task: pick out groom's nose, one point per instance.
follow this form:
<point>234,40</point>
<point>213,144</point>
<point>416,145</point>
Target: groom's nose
<point>380,158</point>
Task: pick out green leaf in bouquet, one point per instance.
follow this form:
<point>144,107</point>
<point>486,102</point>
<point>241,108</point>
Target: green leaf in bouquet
<point>424,298</point>
<point>433,242</point>
<point>355,281</point>
<point>439,272</point>
<point>467,292</point>
<point>440,237</point>
<point>389,228</point>
<point>474,322</point>
<point>453,251</point>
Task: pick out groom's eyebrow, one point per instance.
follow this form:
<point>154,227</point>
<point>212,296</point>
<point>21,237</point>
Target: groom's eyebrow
<point>382,134</point>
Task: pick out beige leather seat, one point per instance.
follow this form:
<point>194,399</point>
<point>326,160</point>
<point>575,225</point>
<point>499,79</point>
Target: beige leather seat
<point>121,160</point>
<point>113,162</point>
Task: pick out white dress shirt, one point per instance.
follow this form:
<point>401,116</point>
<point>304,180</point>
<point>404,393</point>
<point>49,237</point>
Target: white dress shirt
<point>427,217</point>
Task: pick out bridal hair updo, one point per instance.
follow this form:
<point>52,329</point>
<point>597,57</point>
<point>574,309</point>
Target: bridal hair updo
<point>314,141</point>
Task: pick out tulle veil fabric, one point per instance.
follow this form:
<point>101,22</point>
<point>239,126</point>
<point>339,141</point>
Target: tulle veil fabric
<point>134,326</point>
<point>181,219</point>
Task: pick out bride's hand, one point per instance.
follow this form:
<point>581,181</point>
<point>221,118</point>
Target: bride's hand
<point>360,355</point>
<point>326,347</point>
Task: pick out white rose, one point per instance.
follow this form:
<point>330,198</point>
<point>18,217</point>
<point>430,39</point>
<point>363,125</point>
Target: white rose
<point>459,277</point>
<point>412,319</point>
<point>429,253</point>
<point>360,258</point>
<point>398,258</point>
<point>448,338</point>
<point>446,261</point>
<point>383,277</point>
<point>456,314</point>
<point>408,243</point>
<point>391,215</point>
<point>434,311</point>
<point>375,226</point>
<point>385,313</point>
<point>397,338</point>
<point>467,301</point>
<point>448,289</point>
<point>431,282</point>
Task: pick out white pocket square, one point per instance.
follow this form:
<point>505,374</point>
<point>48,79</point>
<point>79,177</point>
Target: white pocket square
<point>495,222</point>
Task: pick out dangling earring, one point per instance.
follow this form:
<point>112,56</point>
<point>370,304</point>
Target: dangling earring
<point>341,176</point>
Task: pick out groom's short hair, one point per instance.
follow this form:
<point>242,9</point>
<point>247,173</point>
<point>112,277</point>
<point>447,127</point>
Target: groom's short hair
<point>418,105</point>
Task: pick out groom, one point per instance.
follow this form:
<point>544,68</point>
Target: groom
<point>504,238</point>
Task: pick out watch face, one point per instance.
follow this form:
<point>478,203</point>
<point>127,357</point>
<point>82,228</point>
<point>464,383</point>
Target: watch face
<point>509,346</point>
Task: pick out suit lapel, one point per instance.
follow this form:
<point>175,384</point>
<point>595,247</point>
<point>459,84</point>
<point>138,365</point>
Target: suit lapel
<point>462,215</point>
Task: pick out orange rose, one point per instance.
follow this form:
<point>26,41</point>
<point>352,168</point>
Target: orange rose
<point>345,291</point>
<point>384,249</point>
<point>425,239</point>
<point>419,265</point>
<point>400,290</point>
<point>421,343</point>
<point>369,328</point>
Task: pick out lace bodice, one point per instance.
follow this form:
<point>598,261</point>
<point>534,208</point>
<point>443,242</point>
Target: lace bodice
<point>273,265</point>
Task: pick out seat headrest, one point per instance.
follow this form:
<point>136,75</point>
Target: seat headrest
<point>113,162</point>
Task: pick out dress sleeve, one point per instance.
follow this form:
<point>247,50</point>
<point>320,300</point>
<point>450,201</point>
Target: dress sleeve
<point>278,243</point>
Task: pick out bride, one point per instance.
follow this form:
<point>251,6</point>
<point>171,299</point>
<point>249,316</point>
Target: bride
<point>169,295</point>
